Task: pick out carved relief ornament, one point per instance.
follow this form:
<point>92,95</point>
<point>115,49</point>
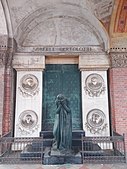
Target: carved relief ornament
<point>29,85</point>
<point>27,122</point>
<point>95,121</point>
<point>119,59</point>
<point>2,58</point>
<point>94,85</point>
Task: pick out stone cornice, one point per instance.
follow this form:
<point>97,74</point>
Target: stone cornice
<point>118,50</point>
<point>28,62</point>
<point>94,62</point>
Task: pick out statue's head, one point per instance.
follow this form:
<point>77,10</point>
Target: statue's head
<point>60,97</point>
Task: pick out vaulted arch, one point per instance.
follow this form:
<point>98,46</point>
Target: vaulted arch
<point>57,23</point>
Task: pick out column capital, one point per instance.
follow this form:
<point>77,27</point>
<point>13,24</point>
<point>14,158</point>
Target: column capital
<point>118,57</point>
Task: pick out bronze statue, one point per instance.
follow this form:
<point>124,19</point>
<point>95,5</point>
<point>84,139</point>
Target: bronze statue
<point>62,130</point>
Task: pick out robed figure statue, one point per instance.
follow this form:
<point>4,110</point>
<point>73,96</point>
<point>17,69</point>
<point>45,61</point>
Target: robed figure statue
<point>62,129</point>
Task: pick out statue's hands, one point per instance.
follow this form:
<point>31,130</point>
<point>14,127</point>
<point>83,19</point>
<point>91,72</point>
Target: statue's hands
<point>58,108</point>
<point>62,102</point>
<point>58,103</point>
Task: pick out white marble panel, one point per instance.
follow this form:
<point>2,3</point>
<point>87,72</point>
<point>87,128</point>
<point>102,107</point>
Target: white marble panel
<point>28,114</point>
<point>95,106</point>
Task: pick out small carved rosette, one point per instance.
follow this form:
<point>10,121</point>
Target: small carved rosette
<point>27,122</point>
<point>29,85</point>
<point>94,85</point>
<point>95,121</point>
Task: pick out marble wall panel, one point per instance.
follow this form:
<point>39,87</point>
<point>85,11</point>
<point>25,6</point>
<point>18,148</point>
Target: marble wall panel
<point>95,106</point>
<point>28,114</point>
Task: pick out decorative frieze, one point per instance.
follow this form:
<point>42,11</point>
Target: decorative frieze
<point>3,49</point>
<point>2,58</point>
<point>6,58</point>
<point>118,50</point>
<point>119,59</point>
<point>3,42</point>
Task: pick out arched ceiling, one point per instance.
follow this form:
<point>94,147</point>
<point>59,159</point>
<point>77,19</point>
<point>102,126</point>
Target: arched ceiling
<point>111,13</point>
<point>118,25</point>
<point>19,10</point>
<point>120,14</point>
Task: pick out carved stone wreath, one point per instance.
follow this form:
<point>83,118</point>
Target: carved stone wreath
<point>27,122</point>
<point>94,85</point>
<point>29,85</point>
<point>95,121</point>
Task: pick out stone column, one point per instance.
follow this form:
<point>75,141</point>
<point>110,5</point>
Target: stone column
<point>28,112</point>
<point>95,107</point>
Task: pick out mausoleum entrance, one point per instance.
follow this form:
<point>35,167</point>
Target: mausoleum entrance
<point>80,77</point>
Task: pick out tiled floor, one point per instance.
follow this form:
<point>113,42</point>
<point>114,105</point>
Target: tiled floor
<point>67,166</point>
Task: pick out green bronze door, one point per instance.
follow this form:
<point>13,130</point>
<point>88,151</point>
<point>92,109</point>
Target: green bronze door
<point>64,79</point>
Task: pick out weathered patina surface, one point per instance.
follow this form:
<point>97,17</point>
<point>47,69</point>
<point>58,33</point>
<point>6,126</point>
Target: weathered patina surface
<point>63,79</point>
<point>62,129</point>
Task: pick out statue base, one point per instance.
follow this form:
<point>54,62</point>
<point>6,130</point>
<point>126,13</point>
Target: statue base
<point>55,157</point>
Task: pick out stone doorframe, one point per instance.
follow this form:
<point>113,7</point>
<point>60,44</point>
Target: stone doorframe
<point>30,67</point>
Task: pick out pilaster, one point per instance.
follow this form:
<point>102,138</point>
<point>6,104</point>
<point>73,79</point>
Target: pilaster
<point>28,113</point>
<point>95,108</point>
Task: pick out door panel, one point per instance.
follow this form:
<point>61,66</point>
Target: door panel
<point>64,79</point>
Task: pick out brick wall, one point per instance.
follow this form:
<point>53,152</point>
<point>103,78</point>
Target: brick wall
<point>118,91</point>
<point>1,97</point>
<point>7,102</point>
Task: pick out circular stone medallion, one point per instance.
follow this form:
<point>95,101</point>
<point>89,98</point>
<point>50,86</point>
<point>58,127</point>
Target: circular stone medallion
<point>95,118</point>
<point>29,82</point>
<point>28,119</point>
<point>94,82</point>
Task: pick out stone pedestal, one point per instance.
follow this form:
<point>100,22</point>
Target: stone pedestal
<point>55,157</point>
